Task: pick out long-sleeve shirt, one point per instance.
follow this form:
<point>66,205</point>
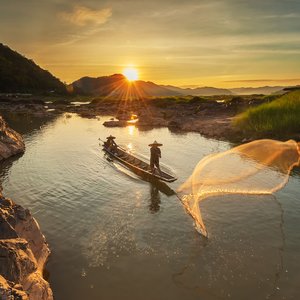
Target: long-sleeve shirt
<point>155,153</point>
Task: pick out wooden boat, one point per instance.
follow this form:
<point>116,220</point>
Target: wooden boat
<point>137,165</point>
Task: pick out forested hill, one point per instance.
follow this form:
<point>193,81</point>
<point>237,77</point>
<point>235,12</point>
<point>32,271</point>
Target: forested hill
<point>21,75</point>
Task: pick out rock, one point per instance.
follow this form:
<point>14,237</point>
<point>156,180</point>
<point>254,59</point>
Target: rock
<point>115,123</point>
<point>16,260</point>
<point>123,115</point>
<point>154,121</point>
<point>6,230</point>
<point>23,254</point>
<point>87,114</point>
<point>11,291</point>
<point>174,124</point>
<point>61,102</point>
<point>11,142</point>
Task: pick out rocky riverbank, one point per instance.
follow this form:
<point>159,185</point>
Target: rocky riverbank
<point>212,119</point>
<point>11,142</point>
<point>23,249</point>
<point>210,116</point>
<point>23,254</point>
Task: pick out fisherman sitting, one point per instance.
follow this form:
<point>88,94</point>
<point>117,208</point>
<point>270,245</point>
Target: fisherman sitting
<point>110,144</point>
<point>155,155</point>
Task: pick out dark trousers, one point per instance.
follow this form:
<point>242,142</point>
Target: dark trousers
<point>154,162</point>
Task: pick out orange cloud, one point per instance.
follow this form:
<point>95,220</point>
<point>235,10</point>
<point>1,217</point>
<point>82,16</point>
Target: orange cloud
<point>82,15</point>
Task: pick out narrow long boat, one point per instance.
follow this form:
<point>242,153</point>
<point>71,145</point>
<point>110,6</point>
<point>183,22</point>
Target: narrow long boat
<point>137,165</point>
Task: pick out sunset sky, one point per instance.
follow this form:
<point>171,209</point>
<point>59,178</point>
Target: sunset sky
<point>227,43</point>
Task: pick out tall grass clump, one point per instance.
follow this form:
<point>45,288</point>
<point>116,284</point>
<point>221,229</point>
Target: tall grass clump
<point>279,116</point>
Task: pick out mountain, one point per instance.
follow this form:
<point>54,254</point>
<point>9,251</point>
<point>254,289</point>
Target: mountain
<point>212,91</point>
<point>21,75</point>
<point>117,85</point>
<point>200,91</point>
<point>265,90</point>
<point>291,88</point>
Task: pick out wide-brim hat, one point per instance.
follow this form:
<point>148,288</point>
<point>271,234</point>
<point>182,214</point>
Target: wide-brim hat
<point>111,137</point>
<point>155,143</point>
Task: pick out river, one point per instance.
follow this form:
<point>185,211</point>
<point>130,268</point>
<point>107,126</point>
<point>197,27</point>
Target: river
<point>114,236</point>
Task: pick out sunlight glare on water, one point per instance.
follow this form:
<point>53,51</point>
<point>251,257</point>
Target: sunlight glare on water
<point>114,236</point>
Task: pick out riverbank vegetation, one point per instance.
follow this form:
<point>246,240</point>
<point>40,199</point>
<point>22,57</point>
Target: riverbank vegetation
<point>277,117</point>
<point>255,116</point>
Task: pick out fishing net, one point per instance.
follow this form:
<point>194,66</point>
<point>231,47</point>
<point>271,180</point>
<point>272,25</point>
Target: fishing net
<point>259,167</point>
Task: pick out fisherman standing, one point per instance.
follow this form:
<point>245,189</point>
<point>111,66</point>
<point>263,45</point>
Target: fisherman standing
<point>155,155</point>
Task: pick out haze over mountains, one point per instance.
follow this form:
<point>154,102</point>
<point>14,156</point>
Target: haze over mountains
<point>117,85</point>
<point>21,75</point>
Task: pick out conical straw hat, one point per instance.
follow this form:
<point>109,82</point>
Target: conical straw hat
<point>155,143</point>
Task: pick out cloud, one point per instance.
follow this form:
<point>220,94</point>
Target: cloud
<point>81,15</point>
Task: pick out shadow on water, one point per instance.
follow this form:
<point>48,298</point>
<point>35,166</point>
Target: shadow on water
<point>6,164</point>
<point>125,223</point>
<point>155,184</point>
<point>145,128</point>
<point>162,187</point>
<point>296,171</point>
<point>155,200</point>
<point>157,187</point>
<point>26,123</point>
<point>177,131</point>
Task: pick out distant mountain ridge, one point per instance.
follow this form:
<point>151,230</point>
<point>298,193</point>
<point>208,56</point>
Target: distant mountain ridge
<point>266,90</point>
<point>22,75</point>
<point>212,91</point>
<point>117,85</point>
<point>199,91</point>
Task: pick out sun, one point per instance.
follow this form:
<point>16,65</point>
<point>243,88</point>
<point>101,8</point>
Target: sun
<point>131,74</point>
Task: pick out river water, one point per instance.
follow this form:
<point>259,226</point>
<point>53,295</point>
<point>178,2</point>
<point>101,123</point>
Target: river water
<point>114,236</point>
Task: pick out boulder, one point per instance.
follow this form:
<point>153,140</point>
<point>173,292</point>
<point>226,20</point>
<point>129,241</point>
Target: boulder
<point>11,291</point>
<point>11,142</point>
<point>115,123</point>
<point>23,255</point>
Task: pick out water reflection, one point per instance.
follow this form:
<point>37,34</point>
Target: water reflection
<point>154,205</point>
<point>157,187</point>
<point>131,129</point>
<point>163,187</point>
<point>296,171</point>
<point>100,223</point>
<point>26,123</point>
<point>5,166</point>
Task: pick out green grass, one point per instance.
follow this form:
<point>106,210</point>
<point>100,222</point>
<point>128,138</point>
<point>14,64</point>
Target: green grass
<point>279,116</point>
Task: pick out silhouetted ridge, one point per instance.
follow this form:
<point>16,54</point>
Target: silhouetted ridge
<point>117,85</point>
<point>21,75</point>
